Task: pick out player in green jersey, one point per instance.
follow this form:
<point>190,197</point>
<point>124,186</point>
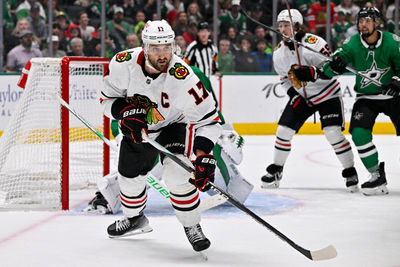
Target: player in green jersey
<point>375,54</point>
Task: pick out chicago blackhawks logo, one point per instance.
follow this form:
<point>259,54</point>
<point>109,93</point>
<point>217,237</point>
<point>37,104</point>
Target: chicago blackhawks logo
<point>141,101</point>
<point>180,72</point>
<point>123,56</point>
<point>311,39</point>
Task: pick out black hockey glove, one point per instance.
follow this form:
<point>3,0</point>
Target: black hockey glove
<point>338,65</point>
<point>305,73</point>
<point>133,122</point>
<point>204,170</point>
<point>392,87</point>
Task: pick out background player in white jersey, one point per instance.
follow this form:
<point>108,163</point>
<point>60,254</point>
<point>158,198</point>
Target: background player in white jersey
<point>306,99</point>
<point>152,89</point>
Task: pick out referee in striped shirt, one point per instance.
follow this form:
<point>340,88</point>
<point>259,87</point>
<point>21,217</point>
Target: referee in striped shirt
<point>202,53</point>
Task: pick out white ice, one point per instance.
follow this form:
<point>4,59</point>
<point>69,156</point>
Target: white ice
<point>364,230</point>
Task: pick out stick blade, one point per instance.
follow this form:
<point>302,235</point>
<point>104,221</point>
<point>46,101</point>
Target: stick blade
<point>324,254</point>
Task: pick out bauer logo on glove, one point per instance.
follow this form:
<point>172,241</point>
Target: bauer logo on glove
<point>204,171</point>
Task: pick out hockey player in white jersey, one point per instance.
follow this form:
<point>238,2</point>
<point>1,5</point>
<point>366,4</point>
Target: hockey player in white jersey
<point>305,99</point>
<point>151,89</point>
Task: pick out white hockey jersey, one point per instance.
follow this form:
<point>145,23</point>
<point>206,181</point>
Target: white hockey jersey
<point>283,58</point>
<point>177,92</point>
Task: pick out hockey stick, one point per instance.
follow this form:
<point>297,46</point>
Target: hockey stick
<point>152,181</point>
<point>306,47</point>
<point>322,254</point>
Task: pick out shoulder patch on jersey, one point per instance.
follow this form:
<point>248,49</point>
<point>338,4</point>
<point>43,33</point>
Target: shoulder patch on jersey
<point>311,39</point>
<point>396,37</point>
<point>179,71</point>
<point>123,56</point>
<point>277,46</point>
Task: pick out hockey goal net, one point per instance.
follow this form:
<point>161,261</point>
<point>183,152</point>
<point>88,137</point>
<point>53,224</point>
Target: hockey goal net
<point>45,151</point>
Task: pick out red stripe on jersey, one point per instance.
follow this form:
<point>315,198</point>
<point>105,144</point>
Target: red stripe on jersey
<point>281,144</point>
<point>185,202</point>
<point>328,93</point>
<point>190,141</point>
<point>133,202</point>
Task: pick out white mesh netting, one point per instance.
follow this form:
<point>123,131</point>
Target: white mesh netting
<point>30,147</point>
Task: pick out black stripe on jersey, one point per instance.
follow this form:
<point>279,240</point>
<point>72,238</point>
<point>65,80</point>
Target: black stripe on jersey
<point>283,140</point>
<point>184,195</point>
<point>362,151</point>
<point>186,209</point>
<point>208,115</point>
<point>282,149</point>
<point>343,151</point>
<point>323,90</point>
<point>108,96</point>
<point>135,197</point>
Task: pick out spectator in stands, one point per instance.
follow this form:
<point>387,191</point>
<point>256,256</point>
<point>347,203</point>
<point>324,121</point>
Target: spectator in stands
<point>138,30</point>
<point>94,9</point>
<point>62,20</point>
<point>191,34</point>
<point>129,11</point>
<point>244,60</point>
<point>13,39</point>
<point>76,47</point>
<point>233,19</point>
<point>56,51</point>
<point>339,29</point>
<point>62,43</point>
<point>139,17</point>
<point>182,23</point>
<point>173,10</point>
<point>24,8</point>
<point>349,9</point>
<point>316,17</point>
<point>225,57</point>
<point>261,33</point>
<point>150,8</point>
<point>22,53</point>
<point>37,25</point>
<point>94,47</point>
<point>234,40</point>
<point>181,43</point>
<point>119,29</point>
<point>8,21</point>
<point>85,29</point>
<point>391,25</point>
<point>258,15</point>
<point>193,12</point>
<point>263,59</point>
<point>132,41</point>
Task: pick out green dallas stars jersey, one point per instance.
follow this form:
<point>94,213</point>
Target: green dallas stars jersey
<point>379,63</point>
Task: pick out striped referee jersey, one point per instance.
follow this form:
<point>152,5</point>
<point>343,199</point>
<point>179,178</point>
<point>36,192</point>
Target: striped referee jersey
<point>202,56</point>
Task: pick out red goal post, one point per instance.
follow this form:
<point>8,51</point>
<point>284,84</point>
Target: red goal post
<point>44,151</point>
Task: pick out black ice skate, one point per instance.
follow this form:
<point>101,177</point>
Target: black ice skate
<point>129,226</point>
<point>351,177</point>
<point>196,238</point>
<point>377,184</point>
<point>98,205</point>
<point>273,176</point>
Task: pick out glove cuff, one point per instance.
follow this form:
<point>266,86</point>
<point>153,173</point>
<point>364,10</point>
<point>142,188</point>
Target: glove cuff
<point>203,143</point>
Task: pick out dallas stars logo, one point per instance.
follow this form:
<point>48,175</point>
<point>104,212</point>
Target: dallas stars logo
<point>374,73</point>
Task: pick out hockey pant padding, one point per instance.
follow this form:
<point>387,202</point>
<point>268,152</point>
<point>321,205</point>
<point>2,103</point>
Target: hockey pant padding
<point>340,145</point>
<point>367,151</point>
<point>133,194</point>
<point>184,196</point>
<point>284,136</point>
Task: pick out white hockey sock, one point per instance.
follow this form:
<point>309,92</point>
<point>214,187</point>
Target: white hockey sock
<point>283,145</point>
<point>340,145</point>
<point>133,194</point>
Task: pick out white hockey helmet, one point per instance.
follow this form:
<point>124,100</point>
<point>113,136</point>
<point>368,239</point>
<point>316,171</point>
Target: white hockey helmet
<point>157,32</point>
<point>296,16</point>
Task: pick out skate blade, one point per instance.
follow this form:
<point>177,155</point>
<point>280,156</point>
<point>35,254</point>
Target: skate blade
<point>143,230</point>
<point>272,185</point>
<point>379,190</point>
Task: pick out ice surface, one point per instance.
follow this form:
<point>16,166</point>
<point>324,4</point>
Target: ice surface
<point>312,208</point>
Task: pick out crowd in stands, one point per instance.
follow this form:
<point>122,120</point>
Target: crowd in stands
<point>244,46</point>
